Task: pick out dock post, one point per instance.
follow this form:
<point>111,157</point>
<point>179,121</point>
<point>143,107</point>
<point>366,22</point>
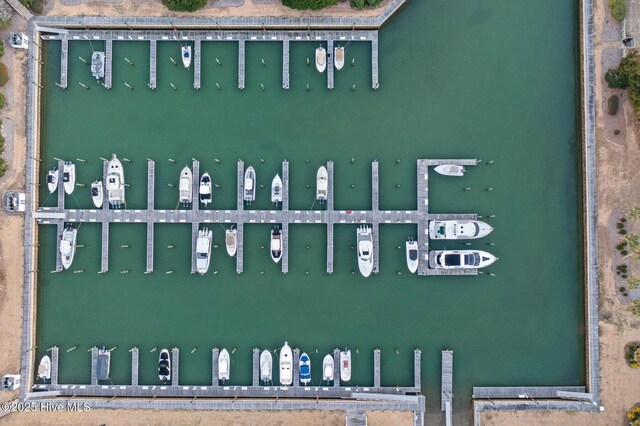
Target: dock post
<point>256,367</point>
<point>241,49</point>
<point>285,211</point>
<point>54,365</point>
<point>336,368</point>
<point>135,365</point>
<point>108,65</point>
<point>285,63</point>
<point>330,217</point>
<point>215,352</point>
<point>175,366</point>
<point>296,367</point>
<point>374,61</point>
<point>64,61</point>
<point>61,185</point>
<point>60,230</point>
<point>376,368</point>
<point>329,64</point>
<point>94,365</point>
<point>240,224</point>
<point>196,64</point>
<point>104,261</point>
<point>153,49</point>
<point>376,224</point>
<point>417,360</point>
<point>422,200</point>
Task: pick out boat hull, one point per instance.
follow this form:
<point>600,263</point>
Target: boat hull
<point>69,176</point>
<point>115,182</point>
<point>185,186</point>
<point>44,368</point>
<point>224,365</point>
<point>186,56</point>
<point>276,189</point>
<point>266,366</point>
<point>276,245</point>
<point>97,193</point>
<point>338,57</point>
<point>458,229</point>
<point>305,369</point>
<point>345,365</point>
<point>205,189</point>
<point>203,250</point>
<point>365,250</point>
<point>322,184</point>
<point>164,365</point>
<point>321,59</point>
<point>68,246</point>
<point>460,259</point>
<point>328,368</point>
<point>52,181</point>
<point>450,170</point>
<point>412,256</point>
<point>249,184</point>
<point>231,241</point>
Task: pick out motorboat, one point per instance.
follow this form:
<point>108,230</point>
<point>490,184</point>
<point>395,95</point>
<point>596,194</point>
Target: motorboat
<point>44,368</point>
<point>231,241</point>
<point>321,59</point>
<point>97,65</point>
<point>52,180</point>
<point>450,170</point>
<point>97,193</point>
<point>68,246</point>
<point>203,250</point>
<point>276,245</point>
<point>286,365</point>
<point>103,364</point>
<point>276,190</point>
<point>305,369</point>
<point>460,259</point>
<point>345,365</point>
<point>205,189</point>
<point>322,184</point>
<point>164,365</point>
<point>224,365</point>
<point>250,184</point>
<point>327,368</point>
<point>458,229</point>
<point>365,250</point>
<point>412,255</point>
<point>186,56</point>
<point>338,57</point>
<point>115,182</point>
<point>185,186</point>
<point>69,177</point>
<point>266,366</point>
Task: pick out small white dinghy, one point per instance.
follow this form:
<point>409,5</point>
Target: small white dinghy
<point>69,177</point>
<point>186,186</point>
<point>321,59</point>
<point>327,368</point>
<point>276,190</point>
<point>450,170</point>
<point>44,369</point>
<point>266,366</point>
<point>345,365</point>
<point>322,184</point>
<point>412,256</point>
<point>286,365</point>
<point>224,365</point>
<point>338,57</point>
<point>186,56</point>
<point>231,241</point>
<point>97,193</point>
<point>205,189</point>
<point>52,180</point>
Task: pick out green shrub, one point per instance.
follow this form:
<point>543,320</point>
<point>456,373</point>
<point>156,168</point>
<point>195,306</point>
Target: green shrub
<point>184,5</point>
<point>623,219</point>
<point>632,354</point>
<point>37,6</point>
<point>619,225</point>
<point>1,100</point>
<point>622,289</point>
<point>612,109</point>
<point>4,74</point>
<point>615,79</point>
<point>618,9</point>
<point>309,4</point>
<point>3,167</point>
<point>622,232</point>
<point>358,4</point>
<point>6,12</point>
<point>1,48</point>
<point>361,4</point>
<point>624,252</point>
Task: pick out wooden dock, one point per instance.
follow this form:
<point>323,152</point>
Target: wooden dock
<point>376,368</point>
<point>239,224</point>
<point>375,223</point>
<point>446,397</point>
<point>54,365</point>
<point>241,62</point>
<point>175,366</point>
<point>64,61</point>
<point>196,64</point>
<point>94,366</point>
<point>153,54</point>
<point>285,225</point>
<point>215,353</point>
<point>330,218</point>
<point>108,64</point>
<point>285,64</point>
<point>329,60</point>
<point>256,368</point>
<point>104,259</point>
<point>522,392</point>
<point>135,366</point>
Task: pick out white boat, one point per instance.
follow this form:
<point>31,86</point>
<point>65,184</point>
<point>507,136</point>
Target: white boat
<point>322,184</point>
<point>450,170</point>
<point>164,365</point>
<point>345,365</point>
<point>305,369</point>
<point>286,365</point>
<point>327,368</point>
<point>186,56</point>
<point>52,180</point>
<point>115,182</point>
<point>266,366</point>
<point>103,364</point>
<point>68,246</point>
<point>321,59</point>
<point>250,184</point>
<point>97,65</point>
<point>460,259</point>
<point>69,177</point>
<point>44,369</point>
<point>185,186</point>
<point>458,229</point>
<point>205,189</point>
<point>224,365</point>
<point>276,245</point>
<point>203,250</point>
<point>97,194</point>
<point>365,250</point>
<point>412,256</point>
<point>276,190</point>
<point>338,57</point>
<point>231,241</point>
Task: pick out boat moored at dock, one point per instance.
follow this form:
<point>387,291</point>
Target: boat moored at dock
<point>338,57</point>
<point>224,365</point>
<point>364,236</point>
<point>115,182</point>
<point>97,193</point>
<point>44,368</point>
<point>164,366</point>
<point>103,364</point>
<point>185,186</point>
<point>69,177</point>
<point>52,180</point>
<point>460,259</point>
<point>205,191</point>
<point>68,246</point>
<point>321,59</point>
<point>450,170</point>
<point>286,365</point>
<point>185,53</point>
<point>250,185</point>
<point>203,250</point>
<point>276,245</point>
<point>412,255</point>
<point>231,241</point>
<point>322,184</point>
<point>97,65</point>
<point>276,189</point>
<point>266,366</point>
<point>327,368</point>
<point>458,229</point>
<point>305,369</point>
<point>345,365</point>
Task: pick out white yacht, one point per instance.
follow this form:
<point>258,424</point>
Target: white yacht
<point>450,170</point>
<point>224,365</point>
<point>164,365</point>
<point>203,250</point>
<point>68,246</point>
<point>185,186</point>
<point>276,190</point>
<point>460,259</point>
<point>97,193</point>
<point>365,250</point>
<point>327,368</point>
<point>52,180</point>
<point>276,245</point>
<point>115,182</point>
<point>345,365</point>
<point>412,255</point>
<point>44,368</point>
<point>185,52</point>
<point>266,366</point>
<point>338,57</point>
<point>250,184</point>
<point>458,229</point>
<point>231,241</point>
<point>97,65</point>
<point>205,189</point>
<point>321,59</point>
<point>69,177</point>
<point>286,365</point>
<point>322,184</point>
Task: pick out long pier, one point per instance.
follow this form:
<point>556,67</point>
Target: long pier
<point>108,65</point>
<point>446,397</point>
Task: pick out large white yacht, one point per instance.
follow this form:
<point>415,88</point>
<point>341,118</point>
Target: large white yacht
<point>322,184</point>
<point>115,182</point>
<point>266,366</point>
<point>458,229</point>
<point>205,189</point>
<point>412,255</point>
<point>250,185</point>
<point>276,189</point>
<point>286,365</point>
<point>365,250</point>
<point>185,186</point>
<point>460,259</point>
<point>224,365</point>
<point>345,365</point>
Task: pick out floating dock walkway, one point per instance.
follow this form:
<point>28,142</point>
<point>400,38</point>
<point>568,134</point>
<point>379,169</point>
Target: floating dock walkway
<point>446,398</point>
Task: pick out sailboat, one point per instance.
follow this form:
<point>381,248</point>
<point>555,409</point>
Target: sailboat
<point>250,184</point>
<point>322,184</point>
<point>115,182</point>
<point>266,366</point>
<point>205,189</point>
<point>44,368</point>
<point>185,186</point>
<point>203,250</point>
<point>52,180</point>
<point>224,366</point>
<point>69,177</point>
<point>286,365</point>
<point>68,246</point>
<point>276,245</point>
<point>364,236</point>
<point>345,365</point>
<point>186,56</point>
<point>321,59</point>
<point>327,368</point>
<point>231,241</point>
<point>412,255</point>
<point>97,194</point>
<point>338,57</point>
<point>276,190</point>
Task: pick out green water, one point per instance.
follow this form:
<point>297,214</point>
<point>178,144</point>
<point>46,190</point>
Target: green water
<point>491,80</point>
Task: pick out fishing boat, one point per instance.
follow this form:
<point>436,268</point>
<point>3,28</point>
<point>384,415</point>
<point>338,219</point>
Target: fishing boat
<point>321,59</point>
<point>286,364</point>
<point>205,189</point>
<point>266,366</point>
<point>327,368</point>
<point>276,245</point>
<point>164,365</point>
<point>231,241</point>
<point>44,368</point>
<point>460,259</point>
<point>68,246</point>
<point>458,229</point>
<point>322,184</point>
<point>185,186</point>
<point>52,180</point>
<point>97,65</point>
<point>276,190</point>
<point>412,255</point>
<point>338,57</point>
<point>186,56</point>
<point>103,364</point>
<point>450,170</point>
<point>345,365</point>
<point>69,177</point>
<point>115,182</point>
<point>365,250</point>
<point>250,184</point>
<point>305,369</point>
<point>203,250</point>
<point>97,194</point>
<point>224,365</point>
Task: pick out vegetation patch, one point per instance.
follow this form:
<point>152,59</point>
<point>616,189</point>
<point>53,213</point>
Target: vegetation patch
<point>632,354</point>
<point>6,12</point>
<point>4,74</point>
<point>627,76</point>
<point>309,4</point>
<point>618,9</point>
<point>634,415</point>
<point>3,164</point>
<point>612,105</point>
<point>184,5</point>
<point>361,4</point>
